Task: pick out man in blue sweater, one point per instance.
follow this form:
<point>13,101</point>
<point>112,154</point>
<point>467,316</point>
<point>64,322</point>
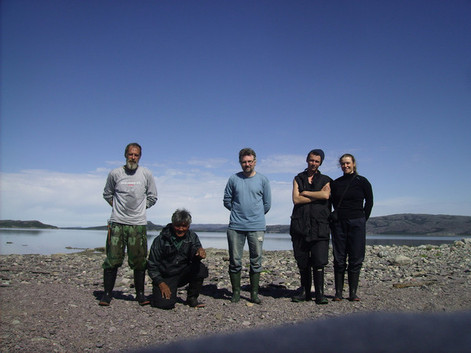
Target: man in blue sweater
<point>248,196</point>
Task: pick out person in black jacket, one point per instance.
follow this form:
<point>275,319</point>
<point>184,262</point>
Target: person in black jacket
<point>174,261</point>
<point>309,228</point>
<point>355,195</point>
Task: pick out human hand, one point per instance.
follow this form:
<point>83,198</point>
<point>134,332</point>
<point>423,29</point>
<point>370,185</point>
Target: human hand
<point>201,253</point>
<point>165,290</point>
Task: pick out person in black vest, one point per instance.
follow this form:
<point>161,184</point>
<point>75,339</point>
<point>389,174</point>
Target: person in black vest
<point>309,228</point>
<point>355,195</point>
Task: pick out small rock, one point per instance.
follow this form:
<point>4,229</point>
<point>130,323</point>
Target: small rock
<point>401,260</point>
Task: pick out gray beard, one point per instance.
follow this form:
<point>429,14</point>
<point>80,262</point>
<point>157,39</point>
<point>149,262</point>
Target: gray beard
<point>131,165</point>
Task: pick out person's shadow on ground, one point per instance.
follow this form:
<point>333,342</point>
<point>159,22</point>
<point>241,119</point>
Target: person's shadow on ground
<point>118,295</point>
<point>273,291</point>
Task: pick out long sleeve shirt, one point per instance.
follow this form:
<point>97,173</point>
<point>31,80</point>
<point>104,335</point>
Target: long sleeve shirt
<point>358,200</point>
<point>130,194</point>
<point>248,199</point>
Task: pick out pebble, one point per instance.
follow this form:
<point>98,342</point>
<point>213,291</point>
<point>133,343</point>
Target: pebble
<point>49,303</point>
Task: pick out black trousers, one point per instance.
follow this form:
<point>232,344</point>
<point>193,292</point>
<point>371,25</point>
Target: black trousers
<point>310,254</point>
<point>348,243</point>
<point>193,274</point>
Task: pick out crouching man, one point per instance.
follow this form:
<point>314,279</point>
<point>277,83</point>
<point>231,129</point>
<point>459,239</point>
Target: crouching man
<point>174,261</point>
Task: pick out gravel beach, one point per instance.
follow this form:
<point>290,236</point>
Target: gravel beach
<point>49,303</point>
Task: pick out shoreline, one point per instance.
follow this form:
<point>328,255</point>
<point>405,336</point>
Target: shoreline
<point>63,241</point>
<point>49,303</point>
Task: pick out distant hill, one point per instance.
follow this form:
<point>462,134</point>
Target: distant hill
<point>209,227</point>
<point>420,224</point>
<point>25,224</point>
<point>407,223</point>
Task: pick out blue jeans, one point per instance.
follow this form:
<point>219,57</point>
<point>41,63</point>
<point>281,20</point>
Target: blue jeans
<point>236,242</point>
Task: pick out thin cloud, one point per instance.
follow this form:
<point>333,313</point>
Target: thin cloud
<point>68,199</point>
<point>282,163</point>
<point>210,163</point>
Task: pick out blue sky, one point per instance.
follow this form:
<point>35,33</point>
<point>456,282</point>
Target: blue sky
<point>195,81</point>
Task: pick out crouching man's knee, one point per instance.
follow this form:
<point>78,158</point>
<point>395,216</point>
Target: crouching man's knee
<point>159,301</point>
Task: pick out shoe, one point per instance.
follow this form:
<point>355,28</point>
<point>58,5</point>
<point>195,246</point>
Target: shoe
<point>235,282</point>
<point>109,279</point>
<point>254,284</point>
<point>194,303</point>
<point>353,279</point>
<point>105,299</point>
<point>305,289</point>
<point>339,278</point>
<point>301,296</point>
<point>193,292</point>
<point>318,275</point>
<point>139,280</point>
<point>142,299</point>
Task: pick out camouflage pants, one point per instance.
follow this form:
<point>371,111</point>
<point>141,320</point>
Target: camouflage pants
<point>122,236</point>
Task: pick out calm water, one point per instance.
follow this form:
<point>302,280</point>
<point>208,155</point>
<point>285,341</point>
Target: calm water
<point>54,241</point>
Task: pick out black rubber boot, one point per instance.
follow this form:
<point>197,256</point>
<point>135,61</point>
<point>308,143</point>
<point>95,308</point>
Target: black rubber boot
<point>339,278</point>
<point>306,283</point>
<point>109,279</point>
<point>139,282</point>
<point>353,279</point>
<point>318,274</point>
<point>193,292</point>
<point>254,284</point>
<point>235,282</point>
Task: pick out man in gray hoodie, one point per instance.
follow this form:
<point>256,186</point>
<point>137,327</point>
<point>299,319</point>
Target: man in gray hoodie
<point>130,190</point>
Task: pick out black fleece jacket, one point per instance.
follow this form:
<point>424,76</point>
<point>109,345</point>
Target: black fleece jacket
<point>166,259</point>
<point>357,202</point>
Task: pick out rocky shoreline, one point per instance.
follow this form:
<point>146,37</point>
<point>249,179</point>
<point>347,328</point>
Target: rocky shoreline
<point>49,303</point>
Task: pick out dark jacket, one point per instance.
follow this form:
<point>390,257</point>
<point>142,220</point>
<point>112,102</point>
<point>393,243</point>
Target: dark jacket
<point>310,220</point>
<point>166,259</point>
<point>358,200</point>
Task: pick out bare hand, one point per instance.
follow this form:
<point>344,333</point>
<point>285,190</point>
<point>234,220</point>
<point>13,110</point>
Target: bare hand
<point>201,253</point>
<point>165,290</point>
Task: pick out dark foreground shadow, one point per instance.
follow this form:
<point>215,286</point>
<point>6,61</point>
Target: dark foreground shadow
<point>367,333</point>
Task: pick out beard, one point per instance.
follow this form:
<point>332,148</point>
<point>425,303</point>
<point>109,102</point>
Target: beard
<point>248,170</point>
<point>131,165</point>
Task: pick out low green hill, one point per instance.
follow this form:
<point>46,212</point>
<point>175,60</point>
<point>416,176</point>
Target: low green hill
<point>25,224</point>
